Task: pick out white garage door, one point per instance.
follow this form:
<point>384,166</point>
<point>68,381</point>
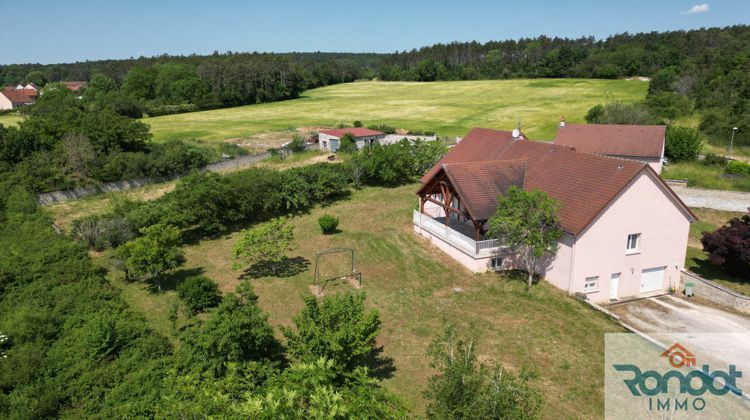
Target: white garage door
<point>652,279</point>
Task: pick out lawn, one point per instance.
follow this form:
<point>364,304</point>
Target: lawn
<point>449,108</point>
<point>704,176</point>
<point>697,261</point>
<point>10,119</point>
<point>415,287</point>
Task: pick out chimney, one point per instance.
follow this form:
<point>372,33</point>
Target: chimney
<point>562,122</point>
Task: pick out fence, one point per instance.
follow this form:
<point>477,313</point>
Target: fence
<point>706,289</point>
<point>453,237</point>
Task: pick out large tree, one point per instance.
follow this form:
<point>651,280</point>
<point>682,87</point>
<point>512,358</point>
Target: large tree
<point>528,222</point>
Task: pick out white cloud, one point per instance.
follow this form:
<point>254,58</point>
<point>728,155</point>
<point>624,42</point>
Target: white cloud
<point>698,8</point>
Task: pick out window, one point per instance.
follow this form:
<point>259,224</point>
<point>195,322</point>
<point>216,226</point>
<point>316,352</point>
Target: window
<point>325,143</point>
<point>496,263</point>
<point>634,243</point>
<point>591,283</point>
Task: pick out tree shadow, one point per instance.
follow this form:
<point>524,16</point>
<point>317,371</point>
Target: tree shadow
<point>290,266</point>
<point>170,281</point>
<point>380,366</point>
<point>704,268</point>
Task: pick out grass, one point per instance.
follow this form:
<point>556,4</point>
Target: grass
<point>412,285</point>
<point>449,108</point>
<point>704,176</point>
<point>697,261</point>
<point>11,119</point>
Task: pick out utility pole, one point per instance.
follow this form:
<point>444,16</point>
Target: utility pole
<point>731,142</point>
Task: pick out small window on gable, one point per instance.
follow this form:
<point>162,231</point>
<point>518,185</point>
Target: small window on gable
<point>634,243</point>
<point>496,263</point>
<point>591,283</point>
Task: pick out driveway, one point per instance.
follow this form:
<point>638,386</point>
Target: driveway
<point>668,319</point>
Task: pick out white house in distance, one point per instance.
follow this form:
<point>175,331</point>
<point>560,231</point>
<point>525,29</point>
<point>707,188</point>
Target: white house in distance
<point>625,230</point>
<point>644,143</point>
<point>12,97</point>
<point>331,139</point>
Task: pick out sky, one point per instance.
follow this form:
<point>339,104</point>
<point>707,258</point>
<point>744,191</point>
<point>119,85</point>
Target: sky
<point>55,31</point>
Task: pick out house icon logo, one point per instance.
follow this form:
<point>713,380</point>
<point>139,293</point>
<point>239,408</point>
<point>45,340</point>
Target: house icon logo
<point>679,356</point>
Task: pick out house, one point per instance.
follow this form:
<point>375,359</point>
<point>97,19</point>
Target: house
<point>331,139</point>
<point>75,86</point>
<point>625,230</point>
<point>12,97</point>
<point>644,143</point>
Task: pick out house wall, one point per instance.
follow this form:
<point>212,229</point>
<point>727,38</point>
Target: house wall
<point>558,270</point>
<point>324,141</point>
<point>646,208</point>
<point>331,143</point>
<point>5,103</point>
<point>364,141</point>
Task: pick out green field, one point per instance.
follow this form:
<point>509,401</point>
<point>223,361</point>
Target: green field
<point>416,287</point>
<point>449,108</point>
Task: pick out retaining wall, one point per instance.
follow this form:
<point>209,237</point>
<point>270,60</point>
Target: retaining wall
<point>107,187</point>
<point>716,293</point>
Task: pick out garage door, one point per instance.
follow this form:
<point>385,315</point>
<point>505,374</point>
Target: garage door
<point>652,279</point>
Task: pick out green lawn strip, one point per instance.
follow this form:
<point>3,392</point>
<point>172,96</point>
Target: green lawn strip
<point>412,284</point>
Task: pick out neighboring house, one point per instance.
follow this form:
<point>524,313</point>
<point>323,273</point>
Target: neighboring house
<point>625,230</point>
<point>76,86</point>
<point>331,139</point>
<point>644,143</point>
<point>12,97</point>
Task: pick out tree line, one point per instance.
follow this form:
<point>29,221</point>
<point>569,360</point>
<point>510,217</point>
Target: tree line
<point>168,84</point>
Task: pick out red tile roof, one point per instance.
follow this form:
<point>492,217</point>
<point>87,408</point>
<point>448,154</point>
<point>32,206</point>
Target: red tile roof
<point>17,96</point>
<point>355,131</point>
<point>645,141</point>
<point>584,184</point>
<point>75,86</point>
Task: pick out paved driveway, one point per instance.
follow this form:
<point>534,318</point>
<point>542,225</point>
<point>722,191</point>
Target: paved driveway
<point>668,319</point>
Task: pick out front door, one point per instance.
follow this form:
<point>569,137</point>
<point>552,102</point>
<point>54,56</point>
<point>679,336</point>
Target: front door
<point>614,284</point>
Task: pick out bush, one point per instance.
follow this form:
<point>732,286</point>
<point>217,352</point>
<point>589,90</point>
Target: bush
<point>713,159</point>
<point>683,143</point>
<point>620,113</point>
<point>357,123</point>
<point>101,232</point>
<point>328,224</point>
<point>669,105</point>
<point>199,293</point>
<point>336,328</point>
<point>347,144</point>
<point>387,129</point>
<point>729,246</point>
<point>297,144</point>
<point>737,167</point>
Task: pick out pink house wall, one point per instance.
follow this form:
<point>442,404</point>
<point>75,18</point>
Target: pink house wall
<point>646,208</point>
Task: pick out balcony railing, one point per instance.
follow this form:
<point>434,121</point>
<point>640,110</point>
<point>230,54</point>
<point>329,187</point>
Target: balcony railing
<point>457,239</point>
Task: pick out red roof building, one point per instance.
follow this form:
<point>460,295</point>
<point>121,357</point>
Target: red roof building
<point>618,216</point>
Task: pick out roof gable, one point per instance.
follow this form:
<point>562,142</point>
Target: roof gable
<point>645,141</point>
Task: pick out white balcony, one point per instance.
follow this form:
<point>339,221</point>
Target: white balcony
<point>456,234</point>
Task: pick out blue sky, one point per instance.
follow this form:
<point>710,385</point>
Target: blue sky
<point>63,31</point>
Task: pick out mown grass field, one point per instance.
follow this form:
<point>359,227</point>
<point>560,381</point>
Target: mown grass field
<point>697,261</point>
<point>412,285</point>
<point>705,176</point>
<point>449,108</point>
<point>10,119</point>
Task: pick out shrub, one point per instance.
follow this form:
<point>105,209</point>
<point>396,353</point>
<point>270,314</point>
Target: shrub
<point>328,224</point>
<point>669,105</point>
<point>357,123</point>
<point>337,328</point>
<point>199,293</point>
<point>713,159</point>
<point>347,144</point>
<point>729,246</point>
<point>100,232</point>
<point>683,143</point>
<point>620,113</point>
<point>737,167</point>
<point>297,144</point>
<point>387,129</point>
